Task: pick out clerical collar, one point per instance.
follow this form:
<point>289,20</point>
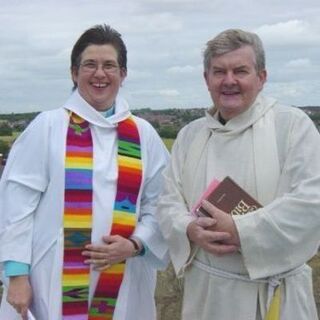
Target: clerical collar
<point>221,120</point>
<point>109,112</point>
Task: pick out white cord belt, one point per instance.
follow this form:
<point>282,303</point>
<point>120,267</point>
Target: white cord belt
<point>272,282</point>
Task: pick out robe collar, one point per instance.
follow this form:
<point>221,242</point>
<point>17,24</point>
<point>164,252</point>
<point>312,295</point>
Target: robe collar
<point>244,120</point>
<point>81,107</point>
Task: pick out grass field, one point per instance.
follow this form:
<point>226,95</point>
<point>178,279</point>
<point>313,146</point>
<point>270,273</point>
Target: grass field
<point>10,139</point>
<point>168,143</point>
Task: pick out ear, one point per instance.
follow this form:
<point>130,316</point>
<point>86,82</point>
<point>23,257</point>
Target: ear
<point>123,74</point>
<point>74,74</point>
<point>262,77</point>
<point>206,77</point>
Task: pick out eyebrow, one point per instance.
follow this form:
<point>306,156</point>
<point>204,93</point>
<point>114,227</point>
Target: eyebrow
<point>242,67</point>
<point>106,61</point>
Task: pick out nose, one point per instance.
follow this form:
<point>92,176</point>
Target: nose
<point>229,78</point>
<point>99,71</point>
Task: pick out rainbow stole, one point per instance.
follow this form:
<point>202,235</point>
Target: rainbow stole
<point>78,217</point>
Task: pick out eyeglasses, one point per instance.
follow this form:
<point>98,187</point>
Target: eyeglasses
<point>91,66</point>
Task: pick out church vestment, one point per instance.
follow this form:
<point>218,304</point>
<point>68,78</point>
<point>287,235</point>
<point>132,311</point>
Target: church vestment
<point>273,152</point>
<point>32,202</point>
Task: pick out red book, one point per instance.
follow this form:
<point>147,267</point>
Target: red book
<point>229,197</point>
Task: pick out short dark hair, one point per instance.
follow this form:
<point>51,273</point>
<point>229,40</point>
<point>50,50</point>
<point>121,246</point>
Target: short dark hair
<point>99,34</point>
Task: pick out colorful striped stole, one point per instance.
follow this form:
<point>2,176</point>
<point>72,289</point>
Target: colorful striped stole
<point>78,221</point>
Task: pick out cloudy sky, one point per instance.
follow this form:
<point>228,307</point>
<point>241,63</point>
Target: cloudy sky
<point>165,41</point>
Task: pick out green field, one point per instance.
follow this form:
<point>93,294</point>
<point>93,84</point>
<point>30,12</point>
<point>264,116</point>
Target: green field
<point>10,139</point>
<point>168,143</point>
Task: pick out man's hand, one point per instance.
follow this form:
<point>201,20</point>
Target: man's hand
<point>114,250</point>
<point>20,294</point>
<point>202,232</point>
<point>224,223</point>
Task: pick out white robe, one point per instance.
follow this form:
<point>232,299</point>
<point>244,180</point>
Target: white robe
<point>32,202</point>
<point>275,239</point>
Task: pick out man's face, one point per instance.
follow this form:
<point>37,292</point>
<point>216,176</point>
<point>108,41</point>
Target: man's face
<point>233,81</point>
<point>99,76</point>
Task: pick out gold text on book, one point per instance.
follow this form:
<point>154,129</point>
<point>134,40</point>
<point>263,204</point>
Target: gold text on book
<point>242,208</point>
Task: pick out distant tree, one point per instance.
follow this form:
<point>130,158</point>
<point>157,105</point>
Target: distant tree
<point>20,127</point>
<point>315,116</point>
<point>4,148</point>
<point>5,130</point>
<point>155,124</point>
<point>169,132</point>
<point>19,116</point>
<point>189,116</point>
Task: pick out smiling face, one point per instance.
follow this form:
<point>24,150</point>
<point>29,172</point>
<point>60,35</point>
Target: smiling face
<point>98,87</point>
<point>234,82</point>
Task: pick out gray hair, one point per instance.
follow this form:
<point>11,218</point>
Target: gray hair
<point>233,39</point>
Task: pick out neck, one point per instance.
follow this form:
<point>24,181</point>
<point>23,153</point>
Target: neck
<point>221,119</point>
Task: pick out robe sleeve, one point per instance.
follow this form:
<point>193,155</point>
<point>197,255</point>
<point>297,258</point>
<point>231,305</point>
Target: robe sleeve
<point>24,179</point>
<point>147,229</point>
<point>285,234</point>
<point>173,214</point>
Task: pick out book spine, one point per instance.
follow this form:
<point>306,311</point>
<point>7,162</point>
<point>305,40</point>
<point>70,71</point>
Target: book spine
<point>196,209</point>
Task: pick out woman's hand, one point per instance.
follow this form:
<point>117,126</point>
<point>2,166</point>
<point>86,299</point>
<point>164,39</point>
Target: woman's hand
<point>114,250</point>
<point>20,294</point>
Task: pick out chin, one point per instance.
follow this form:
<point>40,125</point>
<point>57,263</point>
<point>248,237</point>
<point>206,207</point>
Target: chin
<point>229,112</point>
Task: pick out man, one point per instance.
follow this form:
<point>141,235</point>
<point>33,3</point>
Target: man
<point>237,267</point>
<point>78,235</point>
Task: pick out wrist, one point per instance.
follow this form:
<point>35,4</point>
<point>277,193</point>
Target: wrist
<point>14,280</point>
<point>137,246</point>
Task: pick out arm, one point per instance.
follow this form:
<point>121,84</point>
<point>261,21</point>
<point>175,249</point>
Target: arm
<point>20,295</point>
<point>172,212</point>
<point>17,244</point>
<point>19,291</point>
<point>22,183</point>
<point>147,229</point>
<point>285,234</point>
<point>180,228</point>
<point>147,234</point>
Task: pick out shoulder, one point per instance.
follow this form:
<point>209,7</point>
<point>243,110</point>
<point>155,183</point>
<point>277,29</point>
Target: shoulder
<point>54,115</point>
<point>289,111</point>
<point>45,117</point>
<point>42,124</point>
<point>289,116</point>
<point>294,129</point>
<point>188,132</point>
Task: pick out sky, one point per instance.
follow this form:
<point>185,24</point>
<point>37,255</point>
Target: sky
<point>165,41</point>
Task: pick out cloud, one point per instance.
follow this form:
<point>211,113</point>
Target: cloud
<point>136,75</point>
<point>188,69</point>
<point>299,63</point>
<point>169,93</point>
<point>293,32</point>
<point>165,40</point>
<point>152,23</point>
<point>298,92</point>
